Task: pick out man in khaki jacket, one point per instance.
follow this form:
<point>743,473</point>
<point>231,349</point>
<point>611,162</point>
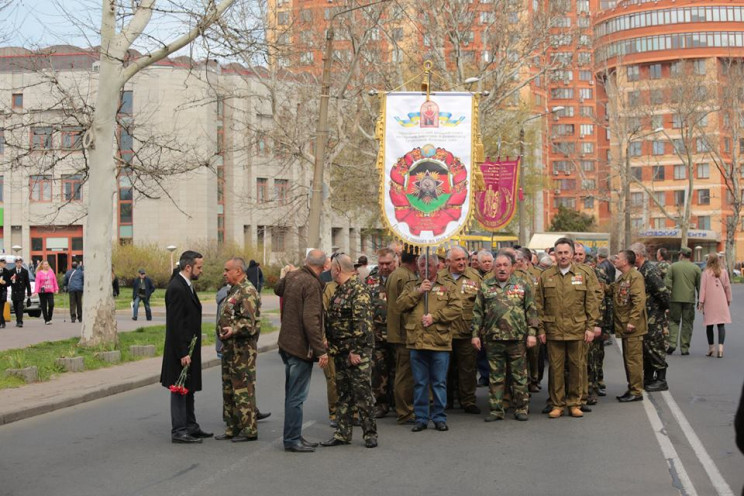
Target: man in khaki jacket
<point>461,378</point>
<point>629,315</point>
<point>568,310</point>
<point>396,336</point>
<point>430,307</point>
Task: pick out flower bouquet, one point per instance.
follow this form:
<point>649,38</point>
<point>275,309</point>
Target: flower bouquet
<point>179,387</point>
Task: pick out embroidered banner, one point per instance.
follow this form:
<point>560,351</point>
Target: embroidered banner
<point>426,156</point>
<point>494,207</point>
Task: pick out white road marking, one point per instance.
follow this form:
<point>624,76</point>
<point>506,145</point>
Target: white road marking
<point>719,483</point>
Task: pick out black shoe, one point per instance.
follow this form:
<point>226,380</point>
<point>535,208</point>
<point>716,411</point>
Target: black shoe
<point>472,409</point>
<point>493,418</point>
<point>243,439</point>
<point>624,395</point>
<point>370,443</point>
<point>521,416</point>
<point>307,443</point>
<point>202,434</point>
<point>72,320</point>
<point>547,409</point>
<point>134,318</point>
<point>601,392</point>
<point>380,411</point>
<point>685,353</point>
<point>483,382</point>
<point>420,426</point>
<point>441,426</point>
<point>223,437</point>
<point>19,324</point>
<point>630,397</point>
<point>657,385</point>
<point>185,439</point>
<point>261,416</point>
<point>298,448</point>
<point>333,424</point>
<point>585,409</point>
<point>334,441</point>
<point>670,350</point>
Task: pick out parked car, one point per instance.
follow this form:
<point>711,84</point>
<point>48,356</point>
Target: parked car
<point>33,310</point>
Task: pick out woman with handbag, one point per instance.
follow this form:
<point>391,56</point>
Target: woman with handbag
<point>714,301</point>
<point>46,287</point>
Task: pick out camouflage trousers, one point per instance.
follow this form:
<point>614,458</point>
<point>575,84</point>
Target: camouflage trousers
<point>332,395</point>
<point>383,374</point>
<point>239,386</point>
<point>654,350</point>
<point>595,364</point>
<point>507,358</point>
<point>354,388</point>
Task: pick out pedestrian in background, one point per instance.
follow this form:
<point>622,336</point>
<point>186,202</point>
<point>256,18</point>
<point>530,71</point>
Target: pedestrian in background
<point>114,283</point>
<point>4,284</point>
<point>715,300</point>
<point>20,285</point>
<point>183,314</point>
<point>73,284</point>
<point>142,289</point>
<point>683,279</point>
<point>46,286</point>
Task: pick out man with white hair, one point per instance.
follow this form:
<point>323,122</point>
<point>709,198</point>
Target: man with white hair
<point>485,263</point>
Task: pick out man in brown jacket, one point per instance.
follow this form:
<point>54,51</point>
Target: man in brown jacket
<point>429,338</point>
<point>300,342</point>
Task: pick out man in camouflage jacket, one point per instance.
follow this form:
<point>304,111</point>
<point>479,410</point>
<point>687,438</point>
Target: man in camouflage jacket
<point>239,329</point>
<point>505,317</point>
<point>351,343</point>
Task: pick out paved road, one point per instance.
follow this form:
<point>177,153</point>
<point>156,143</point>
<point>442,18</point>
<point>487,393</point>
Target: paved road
<point>120,445</point>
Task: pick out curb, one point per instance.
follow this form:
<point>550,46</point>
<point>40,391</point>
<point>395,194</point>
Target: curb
<point>102,392</point>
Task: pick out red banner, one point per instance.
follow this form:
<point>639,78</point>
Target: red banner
<point>495,206</point>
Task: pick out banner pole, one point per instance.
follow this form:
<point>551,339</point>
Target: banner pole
<point>426,276</point>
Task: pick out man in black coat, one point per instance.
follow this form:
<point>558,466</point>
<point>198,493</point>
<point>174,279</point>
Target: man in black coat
<point>20,289</point>
<point>183,315</point>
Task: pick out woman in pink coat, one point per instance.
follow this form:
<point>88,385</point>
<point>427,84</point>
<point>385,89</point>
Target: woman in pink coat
<point>715,299</point>
<point>46,287</point>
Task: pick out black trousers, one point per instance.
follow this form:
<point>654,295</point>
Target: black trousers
<point>76,305</point>
<point>18,309</point>
<point>47,305</point>
<point>183,418</point>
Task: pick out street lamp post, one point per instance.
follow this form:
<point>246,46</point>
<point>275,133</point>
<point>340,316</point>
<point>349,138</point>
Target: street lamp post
<point>521,217</point>
<point>171,249</point>
<point>321,132</point>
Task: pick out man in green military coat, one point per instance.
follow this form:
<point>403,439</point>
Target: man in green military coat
<point>683,280</point>
<point>505,317</point>
<point>629,315</point>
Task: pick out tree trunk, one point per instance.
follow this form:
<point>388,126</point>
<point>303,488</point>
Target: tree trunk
<point>99,309</point>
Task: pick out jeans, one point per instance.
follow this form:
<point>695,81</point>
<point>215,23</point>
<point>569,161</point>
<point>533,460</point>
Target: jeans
<point>135,308</point>
<point>297,375</point>
<point>183,419</point>
<point>429,368</point>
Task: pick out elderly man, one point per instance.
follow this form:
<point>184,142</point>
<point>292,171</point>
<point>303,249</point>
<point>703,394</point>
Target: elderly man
<point>430,307</point>
<point>505,317</point>
<point>683,280</point>
<point>461,379</point>
<point>300,342</point>
<point>568,310</point>
<point>485,263</point>
<point>657,304</point>
<point>629,311</point>
<point>383,359</point>
<point>350,343</point>
<point>484,266</point>
<point>396,335</point>
<point>239,328</point>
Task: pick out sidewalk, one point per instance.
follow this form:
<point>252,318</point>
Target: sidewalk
<point>74,388</point>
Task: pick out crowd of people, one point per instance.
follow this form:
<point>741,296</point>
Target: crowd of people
<point>411,337</point>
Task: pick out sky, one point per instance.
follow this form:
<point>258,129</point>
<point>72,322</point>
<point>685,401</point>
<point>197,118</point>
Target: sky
<point>30,23</point>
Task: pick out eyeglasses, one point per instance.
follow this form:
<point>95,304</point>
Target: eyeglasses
<point>337,254</point>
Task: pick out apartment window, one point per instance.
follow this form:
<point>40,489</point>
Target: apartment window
<point>586,76</point>
<point>564,202</point>
<point>658,147</point>
<point>584,58</point>
<point>306,15</point>
<point>658,222</point>
<point>633,72</point>
<point>589,202</point>
<point>658,173</point>
<point>588,184</point>
<point>674,68</point>
<point>562,93</point>
<point>281,188</point>
<point>587,148</point>
<point>703,171</point>
<point>585,93</point>
<point>679,197</point>
<point>582,6</point>
<point>278,239</point>
<point>262,190</point>
<point>562,22</point>
<point>636,199</point>
<point>701,145</point>
<point>126,106</point>
<point>563,130</point>
<point>656,97</point>
<point>583,22</point>
<point>40,187</point>
<point>72,187</point>
<point>634,98</point>
<point>680,171</point>
<point>657,121</point>
<point>587,166</point>
<point>41,138</point>
<point>17,100</point>
<point>262,143</point>
<point>585,111</point>
<point>282,18</point>
<point>565,112</point>
<point>654,71</point>
<point>703,197</point>
<point>699,66</point>
<point>586,129</point>
<point>679,146</point>
<point>703,222</point>
<point>634,149</point>
<point>72,138</point>
<point>306,58</point>
<point>677,121</point>
<point>660,197</point>
<point>636,173</point>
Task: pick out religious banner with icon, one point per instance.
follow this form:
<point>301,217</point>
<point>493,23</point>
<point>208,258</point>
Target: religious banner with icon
<point>428,145</point>
<point>495,204</point>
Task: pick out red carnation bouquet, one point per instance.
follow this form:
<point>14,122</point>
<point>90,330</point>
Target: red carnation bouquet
<point>179,387</point>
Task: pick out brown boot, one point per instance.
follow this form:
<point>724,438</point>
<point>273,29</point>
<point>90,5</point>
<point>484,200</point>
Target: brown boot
<point>557,412</point>
<point>576,412</point>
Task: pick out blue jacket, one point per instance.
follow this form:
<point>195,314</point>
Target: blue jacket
<point>74,279</point>
<point>149,287</point>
